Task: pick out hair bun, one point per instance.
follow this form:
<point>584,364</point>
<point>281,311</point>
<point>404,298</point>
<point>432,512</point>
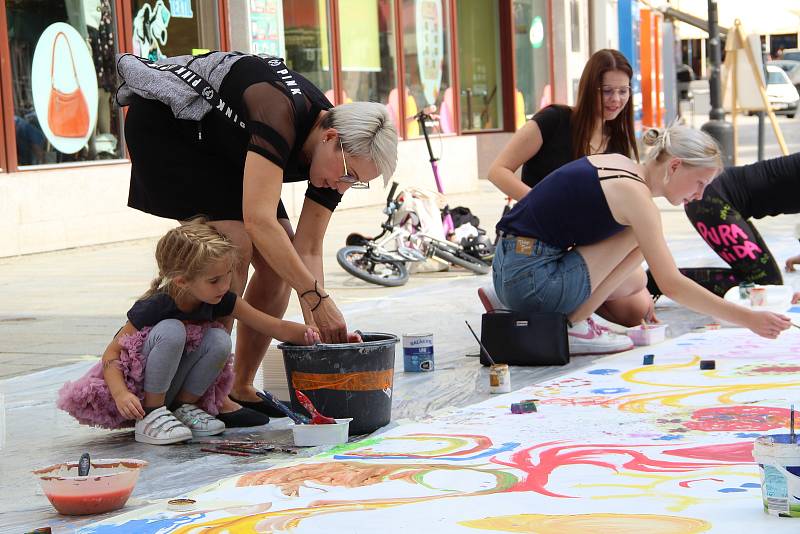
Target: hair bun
<point>652,136</point>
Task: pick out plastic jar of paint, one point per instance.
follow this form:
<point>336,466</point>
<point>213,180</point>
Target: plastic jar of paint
<point>499,378</point>
<point>758,296</point>
<point>744,290</point>
<point>778,462</point>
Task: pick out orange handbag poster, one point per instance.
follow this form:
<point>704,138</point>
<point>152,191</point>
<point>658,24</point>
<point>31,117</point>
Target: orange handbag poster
<point>64,86</point>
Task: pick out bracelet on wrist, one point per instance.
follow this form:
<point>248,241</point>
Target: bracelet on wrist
<point>316,292</point>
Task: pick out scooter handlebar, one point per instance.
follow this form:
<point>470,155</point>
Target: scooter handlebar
<point>391,192</point>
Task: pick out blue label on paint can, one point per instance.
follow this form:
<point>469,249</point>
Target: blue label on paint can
<point>417,353</point>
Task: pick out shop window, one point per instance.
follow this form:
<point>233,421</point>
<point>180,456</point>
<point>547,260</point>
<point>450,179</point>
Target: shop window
<point>479,65</point>
<point>369,64</point>
<point>426,43</point>
<point>63,80</point>
<point>532,58</point>
<point>307,42</point>
<point>163,28</point>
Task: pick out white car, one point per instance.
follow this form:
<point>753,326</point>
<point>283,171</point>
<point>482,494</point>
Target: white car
<point>782,95</point>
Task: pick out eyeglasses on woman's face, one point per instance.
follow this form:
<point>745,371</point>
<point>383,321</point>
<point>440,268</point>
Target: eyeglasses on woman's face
<point>347,178</point>
<point>608,92</point>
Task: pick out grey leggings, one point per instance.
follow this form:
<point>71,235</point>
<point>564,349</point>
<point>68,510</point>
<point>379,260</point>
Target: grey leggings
<point>169,369</point>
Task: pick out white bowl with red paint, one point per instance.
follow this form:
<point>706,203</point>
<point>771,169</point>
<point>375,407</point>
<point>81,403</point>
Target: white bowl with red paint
<point>107,486</point>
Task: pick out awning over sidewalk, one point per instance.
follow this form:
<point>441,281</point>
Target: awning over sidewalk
<point>774,17</point>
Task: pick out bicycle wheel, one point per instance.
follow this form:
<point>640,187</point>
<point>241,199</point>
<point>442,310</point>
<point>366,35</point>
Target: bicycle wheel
<point>363,264</point>
<point>462,259</point>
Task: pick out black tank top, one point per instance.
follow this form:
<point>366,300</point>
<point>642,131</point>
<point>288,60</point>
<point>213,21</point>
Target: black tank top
<point>567,208</point>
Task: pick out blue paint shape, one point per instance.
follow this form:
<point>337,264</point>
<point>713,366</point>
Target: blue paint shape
<point>603,371</point>
<point>143,526</point>
<point>750,485</point>
<point>748,435</point>
<point>733,490</point>
<point>793,309</point>
<point>505,447</point>
<point>609,391</point>
<point>669,437</point>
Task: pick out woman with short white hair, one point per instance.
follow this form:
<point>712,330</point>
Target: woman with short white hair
<point>225,152</point>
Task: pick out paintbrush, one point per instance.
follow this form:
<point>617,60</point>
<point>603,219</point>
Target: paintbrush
<point>792,438</point>
<point>316,417</point>
<point>486,352</point>
<point>796,325</point>
<point>246,450</point>
<point>229,453</point>
<point>270,399</point>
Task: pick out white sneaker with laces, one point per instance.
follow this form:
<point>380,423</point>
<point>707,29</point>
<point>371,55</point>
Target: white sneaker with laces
<point>586,337</point>
<point>489,298</point>
<point>200,423</point>
<point>160,427</point>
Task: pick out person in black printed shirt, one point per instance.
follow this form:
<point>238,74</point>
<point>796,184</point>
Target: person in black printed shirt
<point>601,122</point>
<point>165,367</point>
<point>235,179</point>
<point>723,218</point>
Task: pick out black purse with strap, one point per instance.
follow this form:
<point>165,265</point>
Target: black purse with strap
<point>530,339</point>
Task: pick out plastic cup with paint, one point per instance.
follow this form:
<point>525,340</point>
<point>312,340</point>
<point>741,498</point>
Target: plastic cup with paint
<point>778,460</point>
<point>744,290</point>
<point>499,378</point>
<point>758,296</point>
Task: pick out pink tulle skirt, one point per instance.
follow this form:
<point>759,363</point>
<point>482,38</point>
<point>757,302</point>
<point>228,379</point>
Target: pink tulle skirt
<point>89,400</point>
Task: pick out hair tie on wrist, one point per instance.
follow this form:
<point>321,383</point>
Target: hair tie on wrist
<point>319,295</point>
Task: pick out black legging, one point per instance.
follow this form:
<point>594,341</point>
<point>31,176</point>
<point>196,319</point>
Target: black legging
<point>735,239</point>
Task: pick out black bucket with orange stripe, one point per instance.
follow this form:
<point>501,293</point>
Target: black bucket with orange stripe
<point>345,379</point>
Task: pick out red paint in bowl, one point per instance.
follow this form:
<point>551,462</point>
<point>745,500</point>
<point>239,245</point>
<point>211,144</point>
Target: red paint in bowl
<point>107,486</point>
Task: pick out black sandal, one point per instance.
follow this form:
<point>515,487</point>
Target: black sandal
<point>261,407</point>
<point>243,417</point>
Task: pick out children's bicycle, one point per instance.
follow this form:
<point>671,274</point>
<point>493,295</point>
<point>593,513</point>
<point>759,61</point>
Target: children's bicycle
<point>383,259</point>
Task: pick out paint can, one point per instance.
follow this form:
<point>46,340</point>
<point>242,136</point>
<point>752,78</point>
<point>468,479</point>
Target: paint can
<point>758,296</point>
<point>499,378</point>
<point>778,462</point>
<point>417,353</point>
<point>744,290</point>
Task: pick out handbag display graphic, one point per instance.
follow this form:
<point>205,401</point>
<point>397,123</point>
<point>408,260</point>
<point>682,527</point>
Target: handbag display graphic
<point>67,113</point>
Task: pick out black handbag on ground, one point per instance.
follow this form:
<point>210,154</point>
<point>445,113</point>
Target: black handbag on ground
<point>531,339</point>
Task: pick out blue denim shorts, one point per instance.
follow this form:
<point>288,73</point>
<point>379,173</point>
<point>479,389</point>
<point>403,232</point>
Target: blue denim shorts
<point>548,280</point>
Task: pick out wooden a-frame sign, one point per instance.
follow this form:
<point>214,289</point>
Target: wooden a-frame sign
<point>743,86</point>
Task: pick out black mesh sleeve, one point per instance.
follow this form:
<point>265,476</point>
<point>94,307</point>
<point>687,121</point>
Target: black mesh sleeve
<point>272,122</point>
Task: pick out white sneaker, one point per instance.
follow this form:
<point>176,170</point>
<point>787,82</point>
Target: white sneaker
<point>586,337</point>
<point>489,298</point>
<point>199,422</point>
<point>160,427</point>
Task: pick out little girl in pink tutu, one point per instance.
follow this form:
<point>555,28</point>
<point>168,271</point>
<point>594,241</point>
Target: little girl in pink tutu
<point>168,369</point>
